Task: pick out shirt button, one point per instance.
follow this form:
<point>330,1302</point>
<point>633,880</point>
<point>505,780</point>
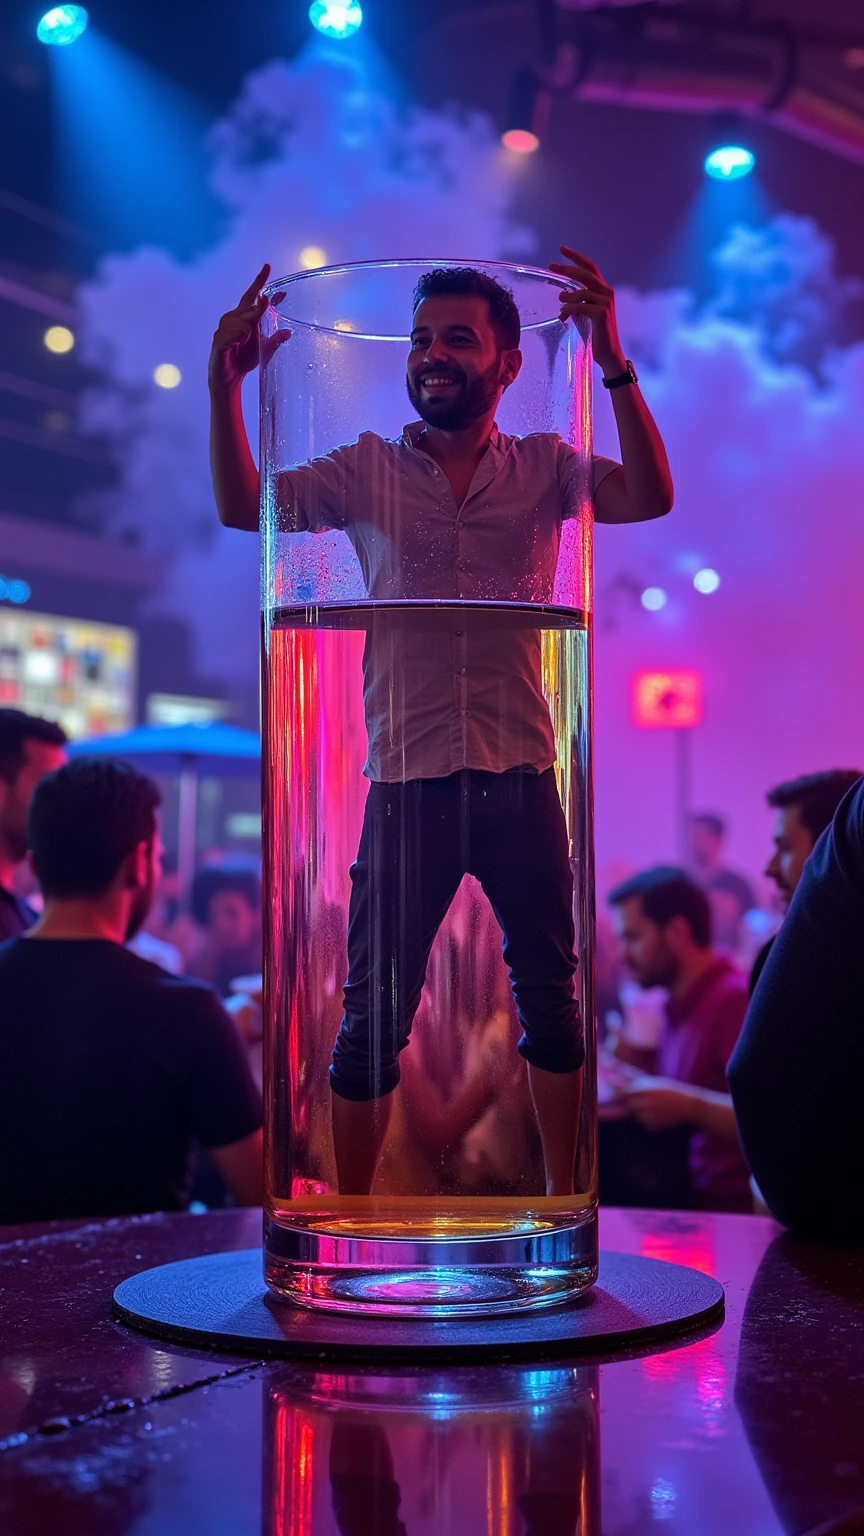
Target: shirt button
<point>460,633</point>
<point>434,471</point>
<point>462,671</point>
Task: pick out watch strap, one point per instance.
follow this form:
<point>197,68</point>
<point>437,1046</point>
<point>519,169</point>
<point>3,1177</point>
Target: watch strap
<point>630,376</point>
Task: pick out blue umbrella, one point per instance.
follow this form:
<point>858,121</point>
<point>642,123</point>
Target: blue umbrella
<point>226,751</point>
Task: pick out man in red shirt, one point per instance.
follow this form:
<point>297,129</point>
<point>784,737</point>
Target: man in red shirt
<point>663,921</point>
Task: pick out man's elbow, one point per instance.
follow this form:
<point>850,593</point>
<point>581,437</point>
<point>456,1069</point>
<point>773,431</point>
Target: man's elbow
<point>242,518</point>
<point>659,505</point>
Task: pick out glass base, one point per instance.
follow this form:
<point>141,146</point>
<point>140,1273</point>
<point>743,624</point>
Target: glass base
<point>530,1264</point>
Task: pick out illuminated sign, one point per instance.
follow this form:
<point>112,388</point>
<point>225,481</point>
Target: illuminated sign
<point>668,699</point>
<point>79,673</point>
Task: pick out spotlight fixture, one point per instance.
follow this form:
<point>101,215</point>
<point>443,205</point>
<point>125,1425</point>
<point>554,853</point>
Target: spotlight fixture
<point>63,25</point>
<point>336,18</point>
<point>528,114</point>
<point>729,162</point>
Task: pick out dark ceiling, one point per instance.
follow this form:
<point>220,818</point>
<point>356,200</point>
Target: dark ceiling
<point>617,181</point>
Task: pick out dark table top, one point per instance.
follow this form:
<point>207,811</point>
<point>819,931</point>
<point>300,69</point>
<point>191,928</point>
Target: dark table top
<point>756,1428</point>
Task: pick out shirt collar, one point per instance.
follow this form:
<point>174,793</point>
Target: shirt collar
<point>411,432</point>
<point>682,1007</point>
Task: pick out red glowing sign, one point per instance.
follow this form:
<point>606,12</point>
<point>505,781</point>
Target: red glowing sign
<point>664,699</point>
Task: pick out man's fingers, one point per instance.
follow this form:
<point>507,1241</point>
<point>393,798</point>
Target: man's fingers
<point>590,280</point>
<point>585,261</point>
<point>252,290</point>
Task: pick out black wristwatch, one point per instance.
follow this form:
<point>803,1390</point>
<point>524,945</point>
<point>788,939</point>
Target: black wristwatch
<point>630,377</point>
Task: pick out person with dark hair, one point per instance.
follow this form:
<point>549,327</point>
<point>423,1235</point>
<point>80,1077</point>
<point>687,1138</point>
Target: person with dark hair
<point>805,807</point>
<point>30,747</point>
<point>797,1070</point>
<point>462,775</point>
<point>226,905</point>
<point>730,894</point>
<point>109,1066</point>
<point>663,920</point>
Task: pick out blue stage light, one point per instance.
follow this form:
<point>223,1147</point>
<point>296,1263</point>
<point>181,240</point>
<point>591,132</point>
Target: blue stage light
<point>336,18</point>
<point>63,25</point>
<point>730,162</point>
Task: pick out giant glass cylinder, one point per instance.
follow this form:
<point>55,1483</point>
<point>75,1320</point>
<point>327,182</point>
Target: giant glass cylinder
<point>430,1086</point>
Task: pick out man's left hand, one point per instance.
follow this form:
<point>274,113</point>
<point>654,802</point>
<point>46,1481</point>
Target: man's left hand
<point>596,300</point>
<point>658,1103</point>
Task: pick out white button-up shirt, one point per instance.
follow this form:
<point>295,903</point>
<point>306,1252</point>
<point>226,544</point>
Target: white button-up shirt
<point>449,690</point>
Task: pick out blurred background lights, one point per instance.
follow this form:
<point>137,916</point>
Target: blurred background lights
<point>336,18</point>
<point>706,580</point>
<point>653,598</point>
<point>167,375</point>
<point>521,141</point>
<point>312,256</point>
<point>730,162</point>
<point>63,25</point>
<point>342,325</point>
<point>13,590</point>
<point>59,338</point>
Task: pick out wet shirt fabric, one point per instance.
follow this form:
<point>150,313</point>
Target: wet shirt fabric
<point>109,1067</point>
<point>460,689</point>
<point>702,1030</point>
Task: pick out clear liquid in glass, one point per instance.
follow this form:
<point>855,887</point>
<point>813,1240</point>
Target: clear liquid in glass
<point>457,1221</point>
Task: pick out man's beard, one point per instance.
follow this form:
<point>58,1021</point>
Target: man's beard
<point>472,401</point>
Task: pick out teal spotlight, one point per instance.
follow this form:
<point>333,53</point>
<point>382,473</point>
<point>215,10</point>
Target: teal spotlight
<point>63,25</point>
<point>336,18</point>
<point>730,162</point>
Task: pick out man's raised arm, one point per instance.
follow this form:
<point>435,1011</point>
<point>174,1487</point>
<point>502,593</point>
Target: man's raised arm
<point>642,488</point>
<point>234,354</point>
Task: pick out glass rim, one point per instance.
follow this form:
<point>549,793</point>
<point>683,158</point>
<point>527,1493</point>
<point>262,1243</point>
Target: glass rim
<point>428,263</point>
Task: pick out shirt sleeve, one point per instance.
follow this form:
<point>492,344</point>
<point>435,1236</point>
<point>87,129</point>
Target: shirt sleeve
<point>578,480</point>
<point>322,493</point>
<point>223,1104</point>
<point>796,1073</point>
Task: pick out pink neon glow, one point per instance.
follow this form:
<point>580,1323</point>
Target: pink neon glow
<point>520,140</point>
<point>664,699</point>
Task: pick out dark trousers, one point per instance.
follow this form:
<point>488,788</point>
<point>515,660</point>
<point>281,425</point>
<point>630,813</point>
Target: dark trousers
<point>417,842</point>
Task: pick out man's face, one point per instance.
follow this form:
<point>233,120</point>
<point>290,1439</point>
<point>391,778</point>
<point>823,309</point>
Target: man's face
<point>642,945</point>
<point>40,758</point>
<point>231,920</point>
<point>143,898</point>
<point>705,845</point>
<point>456,370</point>
<point>793,845</point>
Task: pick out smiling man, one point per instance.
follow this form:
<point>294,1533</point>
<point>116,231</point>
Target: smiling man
<point>461,748</point>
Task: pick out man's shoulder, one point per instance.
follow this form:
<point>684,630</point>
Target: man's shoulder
<point>180,991</point>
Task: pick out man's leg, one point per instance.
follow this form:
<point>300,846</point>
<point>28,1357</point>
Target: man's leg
<point>407,871</point>
<point>520,854</point>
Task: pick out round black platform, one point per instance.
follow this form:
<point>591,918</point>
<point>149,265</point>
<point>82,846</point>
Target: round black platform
<point>221,1300</point>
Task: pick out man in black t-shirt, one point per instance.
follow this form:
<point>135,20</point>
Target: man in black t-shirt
<point>30,747</point>
<point>109,1066</point>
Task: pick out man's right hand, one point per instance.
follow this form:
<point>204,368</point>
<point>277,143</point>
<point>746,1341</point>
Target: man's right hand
<point>235,342</point>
